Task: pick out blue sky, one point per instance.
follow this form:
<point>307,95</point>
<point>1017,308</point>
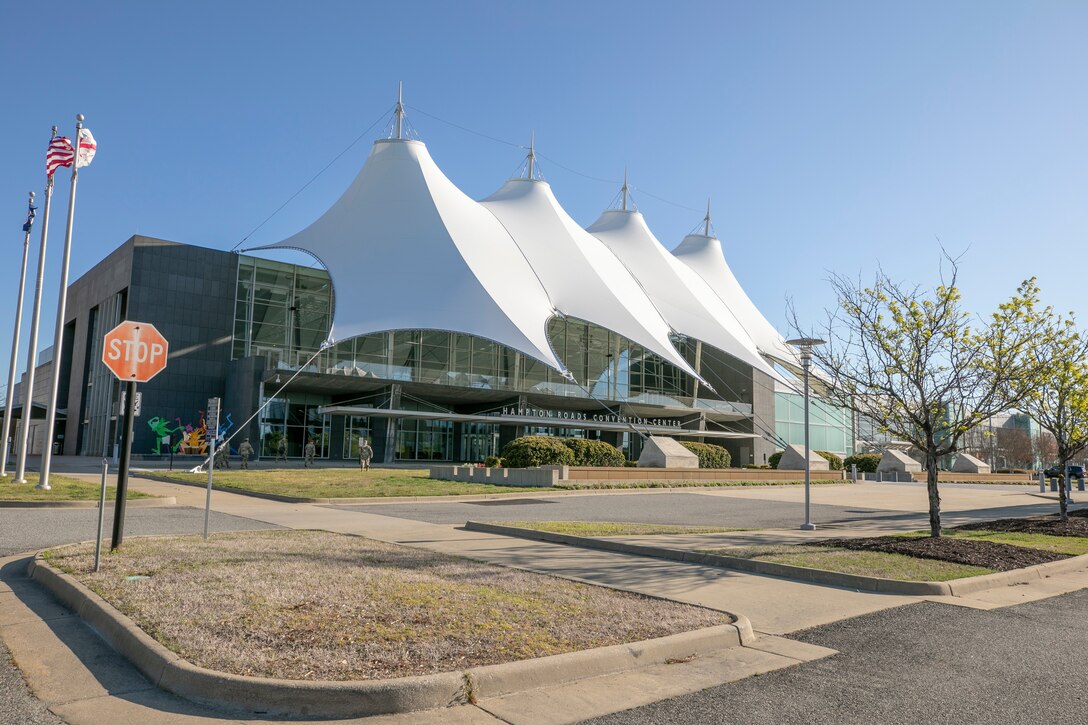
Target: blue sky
<point>831,136</point>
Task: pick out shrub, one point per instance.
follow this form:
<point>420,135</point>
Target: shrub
<point>630,464</point>
<point>594,453</point>
<point>774,459</point>
<point>834,462</point>
<point>755,465</point>
<point>536,451</point>
<point>493,462</point>
<point>710,456</point>
<point>866,462</point>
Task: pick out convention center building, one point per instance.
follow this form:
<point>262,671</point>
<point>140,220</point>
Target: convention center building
<point>475,322</point>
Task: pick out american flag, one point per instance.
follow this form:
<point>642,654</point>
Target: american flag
<point>60,153</point>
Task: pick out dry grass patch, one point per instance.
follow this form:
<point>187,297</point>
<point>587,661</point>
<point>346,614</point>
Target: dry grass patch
<point>309,605</point>
<point>339,482</point>
<point>64,488</point>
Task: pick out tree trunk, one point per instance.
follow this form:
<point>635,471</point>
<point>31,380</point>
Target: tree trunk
<point>934,495</point>
<point>1063,499</point>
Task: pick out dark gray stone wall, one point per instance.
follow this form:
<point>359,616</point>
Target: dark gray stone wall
<point>243,397</point>
<point>105,279</point>
<point>188,293</point>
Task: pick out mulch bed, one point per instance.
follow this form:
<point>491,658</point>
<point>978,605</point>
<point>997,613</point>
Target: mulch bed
<point>1076,525</point>
<point>988,554</point>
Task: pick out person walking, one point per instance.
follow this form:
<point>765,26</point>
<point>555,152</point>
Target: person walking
<point>281,449</point>
<point>222,457</point>
<point>245,451</point>
<point>365,453</point>
<point>309,452</point>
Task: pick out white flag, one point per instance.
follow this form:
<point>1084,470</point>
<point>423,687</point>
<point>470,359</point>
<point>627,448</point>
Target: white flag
<point>87,147</point>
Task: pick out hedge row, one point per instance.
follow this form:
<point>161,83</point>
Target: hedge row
<point>866,462</point>
<point>530,451</point>
<point>710,456</point>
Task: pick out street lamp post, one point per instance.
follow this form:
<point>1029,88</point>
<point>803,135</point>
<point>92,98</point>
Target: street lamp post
<point>806,344</point>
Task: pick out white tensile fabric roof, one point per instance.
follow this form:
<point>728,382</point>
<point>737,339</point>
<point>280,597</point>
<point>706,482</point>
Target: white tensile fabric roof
<point>703,254</point>
<point>683,297</point>
<point>406,249</point>
<point>582,277</point>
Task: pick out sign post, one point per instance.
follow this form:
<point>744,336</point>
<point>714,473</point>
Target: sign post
<point>134,352</point>
<point>211,420</point>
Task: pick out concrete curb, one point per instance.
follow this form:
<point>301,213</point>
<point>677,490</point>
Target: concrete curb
<point>529,492</point>
<point>957,587</point>
<point>323,699</point>
<point>135,503</point>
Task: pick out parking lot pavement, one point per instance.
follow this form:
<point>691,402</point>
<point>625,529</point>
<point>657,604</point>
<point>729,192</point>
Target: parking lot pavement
<point>26,529</point>
<point>920,663</point>
<point>742,509</point>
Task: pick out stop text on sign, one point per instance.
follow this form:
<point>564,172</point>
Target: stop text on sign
<point>135,351</point>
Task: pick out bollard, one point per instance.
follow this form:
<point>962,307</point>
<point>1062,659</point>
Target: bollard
<point>880,477</point>
<point>1042,483</point>
<point>1054,485</point>
<point>854,473</point>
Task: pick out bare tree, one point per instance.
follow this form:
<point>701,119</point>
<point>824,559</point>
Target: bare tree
<point>1015,445</point>
<point>924,369</point>
<point>1045,448</point>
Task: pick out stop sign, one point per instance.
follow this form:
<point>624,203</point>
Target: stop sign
<point>135,351</point>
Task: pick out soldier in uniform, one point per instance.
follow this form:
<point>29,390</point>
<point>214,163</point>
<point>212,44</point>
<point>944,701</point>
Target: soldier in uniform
<point>281,449</point>
<point>365,453</point>
<point>309,452</point>
<point>222,459</point>
<point>245,451</point>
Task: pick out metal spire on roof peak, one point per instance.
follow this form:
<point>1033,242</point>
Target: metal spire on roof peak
<point>532,155</point>
<point>706,219</point>
<point>623,190</point>
<point>399,112</point>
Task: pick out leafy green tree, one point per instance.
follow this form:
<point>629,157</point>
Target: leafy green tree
<point>1059,402</point>
<point>923,368</point>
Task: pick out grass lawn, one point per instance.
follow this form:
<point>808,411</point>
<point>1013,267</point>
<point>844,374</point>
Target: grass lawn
<point>1071,545</point>
<point>862,563</point>
<point>312,605</point>
<point>64,489</point>
<point>341,482</point>
<point>611,528</point>
<point>687,484</point>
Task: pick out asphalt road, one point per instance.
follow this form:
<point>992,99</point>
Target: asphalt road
<point>668,508</point>
<point>930,663</point>
<point>27,529</point>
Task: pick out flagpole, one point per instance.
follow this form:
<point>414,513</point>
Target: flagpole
<point>15,339</point>
<point>58,332</point>
<point>32,350</point>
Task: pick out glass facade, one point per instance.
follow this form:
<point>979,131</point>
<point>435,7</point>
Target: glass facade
<point>283,313</point>
<point>830,428</point>
<point>355,427</point>
<point>298,420</point>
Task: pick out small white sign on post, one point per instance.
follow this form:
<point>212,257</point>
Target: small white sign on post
<point>211,423</point>
<point>137,405</point>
